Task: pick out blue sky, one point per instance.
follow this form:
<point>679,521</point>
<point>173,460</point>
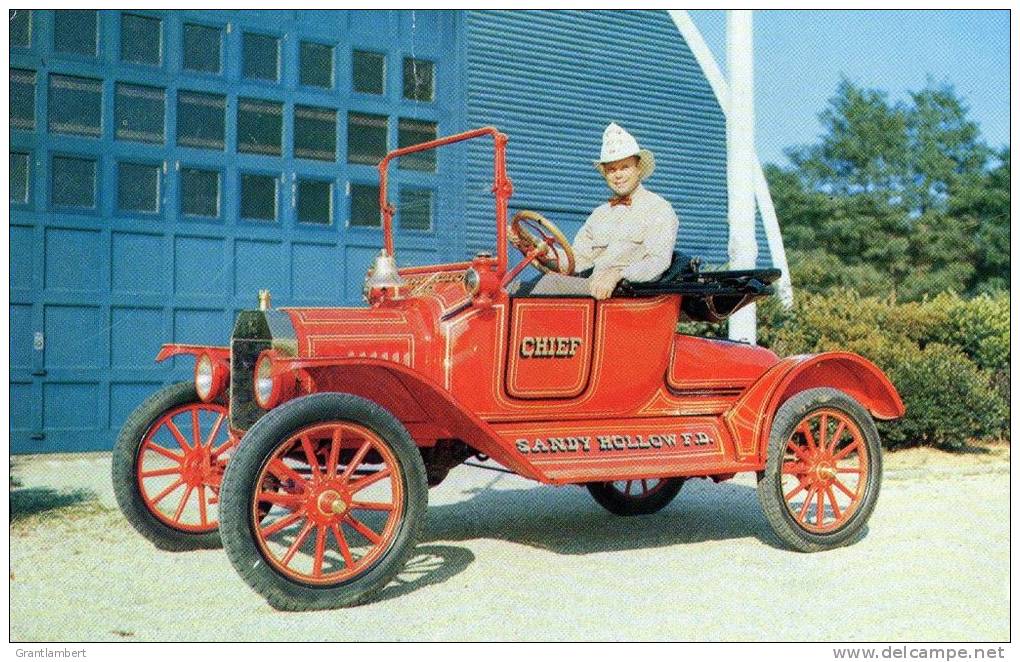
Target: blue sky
<point>800,56</point>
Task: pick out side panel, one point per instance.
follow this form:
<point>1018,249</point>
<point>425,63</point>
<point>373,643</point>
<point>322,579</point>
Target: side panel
<point>615,449</point>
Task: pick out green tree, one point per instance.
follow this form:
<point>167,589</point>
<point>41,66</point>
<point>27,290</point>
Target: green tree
<point>902,198</point>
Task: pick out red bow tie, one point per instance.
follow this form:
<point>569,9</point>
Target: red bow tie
<point>621,200</point>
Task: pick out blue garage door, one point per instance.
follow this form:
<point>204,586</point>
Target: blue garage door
<point>165,166</point>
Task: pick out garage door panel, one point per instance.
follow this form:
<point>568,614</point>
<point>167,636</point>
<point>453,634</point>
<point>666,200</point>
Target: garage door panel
<point>259,265</point>
<point>316,273</point>
<point>135,337</point>
<point>24,412</point>
<point>21,252</point>
<point>199,266</point>
<point>73,259</point>
<point>75,337</point>
<point>21,337</point>
<point>138,263</point>
<point>72,406</point>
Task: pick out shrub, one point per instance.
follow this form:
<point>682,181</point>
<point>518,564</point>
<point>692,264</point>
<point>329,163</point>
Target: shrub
<point>947,356</point>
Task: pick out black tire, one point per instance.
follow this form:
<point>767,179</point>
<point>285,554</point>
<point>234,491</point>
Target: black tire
<point>620,498</point>
<point>805,406</point>
<point>246,466</point>
<point>124,469</point>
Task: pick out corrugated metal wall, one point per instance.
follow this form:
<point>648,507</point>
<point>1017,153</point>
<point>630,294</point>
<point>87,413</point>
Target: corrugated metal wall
<point>553,80</point>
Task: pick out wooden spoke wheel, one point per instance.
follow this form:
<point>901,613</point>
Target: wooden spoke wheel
<point>167,466</point>
<point>823,471</point>
<point>641,496</point>
<point>329,493</point>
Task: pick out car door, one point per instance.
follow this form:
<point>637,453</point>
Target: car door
<point>550,347</point>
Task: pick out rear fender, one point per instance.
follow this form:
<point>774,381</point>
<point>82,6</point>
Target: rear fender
<point>750,419</point>
<point>427,410</point>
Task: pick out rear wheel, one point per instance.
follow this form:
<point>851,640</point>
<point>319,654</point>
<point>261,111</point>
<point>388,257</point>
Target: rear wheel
<point>642,496</point>
<point>167,464</point>
<point>823,472</point>
<point>323,503</point>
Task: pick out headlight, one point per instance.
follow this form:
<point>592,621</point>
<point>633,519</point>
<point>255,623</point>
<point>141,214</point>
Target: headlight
<point>210,378</point>
<point>472,281</point>
<point>264,381</point>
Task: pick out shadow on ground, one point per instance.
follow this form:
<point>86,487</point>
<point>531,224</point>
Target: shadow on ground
<point>429,564</point>
<point>567,520</point>
<point>28,501</point>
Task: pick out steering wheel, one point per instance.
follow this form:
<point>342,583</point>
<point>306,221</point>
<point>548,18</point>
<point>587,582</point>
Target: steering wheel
<point>529,230</point>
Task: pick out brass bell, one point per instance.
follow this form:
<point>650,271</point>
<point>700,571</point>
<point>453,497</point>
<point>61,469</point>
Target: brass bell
<point>384,273</point>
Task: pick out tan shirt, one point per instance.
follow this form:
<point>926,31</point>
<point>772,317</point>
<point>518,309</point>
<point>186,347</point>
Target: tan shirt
<point>637,240</point>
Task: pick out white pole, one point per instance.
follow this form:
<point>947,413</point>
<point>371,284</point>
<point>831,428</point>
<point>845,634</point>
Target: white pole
<point>740,160</point>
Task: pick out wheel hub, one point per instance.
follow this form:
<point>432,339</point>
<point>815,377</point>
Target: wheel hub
<point>197,467</point>
<point>327,504</point>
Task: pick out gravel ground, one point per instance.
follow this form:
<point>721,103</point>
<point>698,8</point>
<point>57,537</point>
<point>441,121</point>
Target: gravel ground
<point>506,559</point>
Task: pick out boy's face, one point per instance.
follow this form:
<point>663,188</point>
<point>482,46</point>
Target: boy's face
<point>622,176</point>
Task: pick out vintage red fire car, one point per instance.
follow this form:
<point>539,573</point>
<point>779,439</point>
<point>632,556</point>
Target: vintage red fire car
<point>308,445</point>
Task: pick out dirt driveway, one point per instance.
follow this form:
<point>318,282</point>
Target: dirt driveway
<point>506,559</point>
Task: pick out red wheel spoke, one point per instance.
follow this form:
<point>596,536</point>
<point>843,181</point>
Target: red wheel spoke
<point>370,505</point>
<point>160,472</point>
<point>296,545</point>
<point>196,428</point>
<point>800,486</point>
<point>282,471</point>
<point>806,431</point>
<point>281,499</point>
<point>835,506</point>
<point>820,510</point>
<point>229,443</point>
<point>215,430</point>
<point>334,452</point>
<point>355,461</point>
<point>842,455</point>
<point>835,437</point>
<point>843,488</point>
<point>370,479</point>
<point>807,503</point>
<point>849,470</point>
<point>162,495</point>
<point>183,503</point>
<point>313,462</point>
<point>369,534</point>
<point>320,550</point>
<point>177,433</point>
<point>201,505</point>
<point>798,451</point>
<point>626,490</point>
<point>345,551</point>
<point>163,451</point>
<point>644,486</point>
<point>279,525</point>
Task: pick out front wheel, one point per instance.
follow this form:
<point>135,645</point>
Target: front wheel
<point>167,464</point>
<point>642,496</point>
<point>823,471</point>
<point>323,502</point>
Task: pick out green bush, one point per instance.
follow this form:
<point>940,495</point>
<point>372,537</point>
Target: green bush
<point>947,356</point>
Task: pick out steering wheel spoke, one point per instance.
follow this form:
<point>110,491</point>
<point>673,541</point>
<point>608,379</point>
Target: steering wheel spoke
<point>529,231</point>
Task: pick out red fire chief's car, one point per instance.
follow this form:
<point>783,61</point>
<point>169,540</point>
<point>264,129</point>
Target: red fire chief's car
<point>308,445</point>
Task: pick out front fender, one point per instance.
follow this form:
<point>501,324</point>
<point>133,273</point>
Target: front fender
<point>750,419</point>
<point>216,353</point>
